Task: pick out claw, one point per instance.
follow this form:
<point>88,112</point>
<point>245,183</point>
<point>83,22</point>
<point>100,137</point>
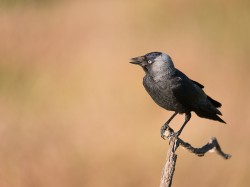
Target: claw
<point>163,129</point>
<point>171,134</point>
<point>174,135</point>
<point>163,136</point>
<point>165,126</point>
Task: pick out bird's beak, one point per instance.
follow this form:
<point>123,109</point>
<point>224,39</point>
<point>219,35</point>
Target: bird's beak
<point>137,60</point>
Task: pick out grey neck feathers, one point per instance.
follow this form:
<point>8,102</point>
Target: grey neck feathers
<point>162,69</point>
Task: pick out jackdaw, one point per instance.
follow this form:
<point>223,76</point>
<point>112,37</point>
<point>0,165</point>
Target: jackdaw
<point>173,90</point>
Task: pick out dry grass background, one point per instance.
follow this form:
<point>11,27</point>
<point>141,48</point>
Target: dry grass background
<point>74,111</point>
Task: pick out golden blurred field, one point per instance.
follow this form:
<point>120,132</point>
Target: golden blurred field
<point>74,112</point>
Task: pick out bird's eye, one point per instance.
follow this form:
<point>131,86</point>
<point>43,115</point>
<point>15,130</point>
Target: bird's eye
<point>150,61</point>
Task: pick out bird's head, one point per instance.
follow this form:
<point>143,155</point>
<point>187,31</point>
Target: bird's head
<point>154,63</point>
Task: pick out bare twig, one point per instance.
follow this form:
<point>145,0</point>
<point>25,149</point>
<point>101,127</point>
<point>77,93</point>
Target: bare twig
<point>174,143</point>
<point>169,167</point>
<point>212,144</point>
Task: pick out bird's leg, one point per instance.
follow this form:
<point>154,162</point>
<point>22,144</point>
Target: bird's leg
<point>187,118</point>
<point>165,126</point>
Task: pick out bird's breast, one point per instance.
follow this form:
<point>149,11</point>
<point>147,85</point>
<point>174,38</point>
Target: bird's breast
<point>162,93</point>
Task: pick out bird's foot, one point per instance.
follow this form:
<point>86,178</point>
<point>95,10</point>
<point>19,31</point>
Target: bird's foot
<point>173,135</point>
<point>163,129</point>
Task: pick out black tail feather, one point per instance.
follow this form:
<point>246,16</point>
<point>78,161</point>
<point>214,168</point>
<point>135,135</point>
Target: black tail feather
<point>209,116</point>
<point>214,102</point>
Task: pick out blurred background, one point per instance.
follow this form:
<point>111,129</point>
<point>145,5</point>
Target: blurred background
<point>74,112</point>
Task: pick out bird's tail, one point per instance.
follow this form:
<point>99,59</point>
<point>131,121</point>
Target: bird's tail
<point>209,115</point>
<point>210,111</point>
<point>214,102</point>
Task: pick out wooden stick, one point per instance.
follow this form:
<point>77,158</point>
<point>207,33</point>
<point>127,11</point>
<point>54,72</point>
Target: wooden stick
<point>174,143</point>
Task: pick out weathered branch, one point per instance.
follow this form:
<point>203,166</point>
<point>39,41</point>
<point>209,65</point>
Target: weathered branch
<point>212,144</point>
<point>174,143</point>
<point>169,167</point>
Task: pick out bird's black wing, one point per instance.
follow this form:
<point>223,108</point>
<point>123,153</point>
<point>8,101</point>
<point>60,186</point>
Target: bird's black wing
<point>214,102</point>
<point>187,92</point>
<point>193,98</point>
<point>198,84</point>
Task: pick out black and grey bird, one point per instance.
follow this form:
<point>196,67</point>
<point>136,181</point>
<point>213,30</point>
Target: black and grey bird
<point>173,90</point>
